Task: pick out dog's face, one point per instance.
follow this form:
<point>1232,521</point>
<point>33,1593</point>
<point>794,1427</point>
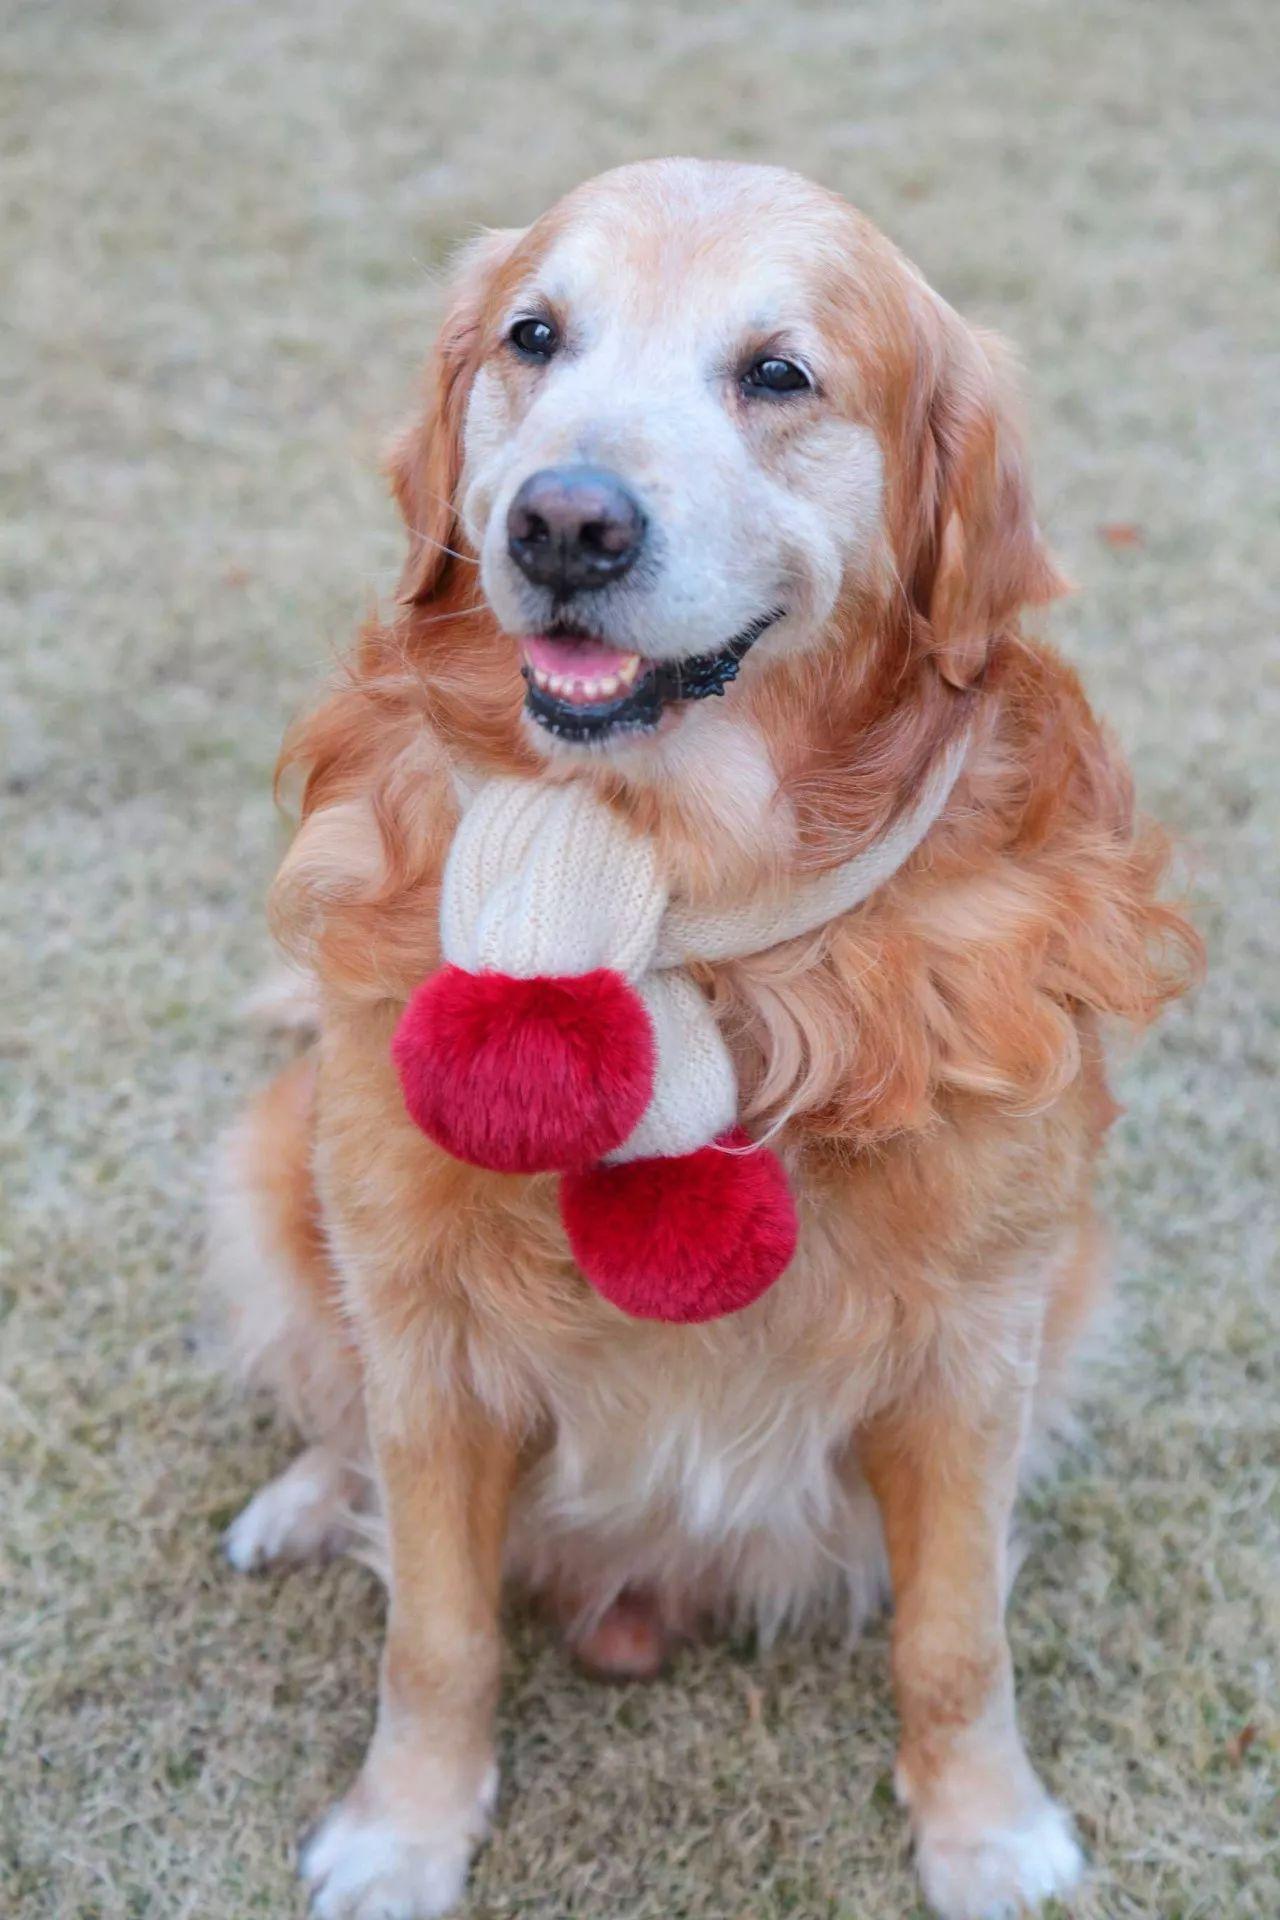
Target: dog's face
<point>663,460</point>
<point>681,420</point>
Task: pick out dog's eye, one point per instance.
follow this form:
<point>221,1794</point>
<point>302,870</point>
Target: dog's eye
<point>769,374</point>
<point>535,339</point>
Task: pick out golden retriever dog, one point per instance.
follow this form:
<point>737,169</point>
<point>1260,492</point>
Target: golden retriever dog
<point>699,429</point>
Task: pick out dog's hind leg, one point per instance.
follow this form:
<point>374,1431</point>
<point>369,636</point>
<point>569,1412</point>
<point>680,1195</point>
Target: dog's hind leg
<point>269,1265</point>
<point>305,1513</point>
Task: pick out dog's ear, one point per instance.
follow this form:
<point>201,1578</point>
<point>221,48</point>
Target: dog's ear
<point>979,554</point>
<point>424,461</point>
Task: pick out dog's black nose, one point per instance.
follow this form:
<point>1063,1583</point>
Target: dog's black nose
<point>574,528</point>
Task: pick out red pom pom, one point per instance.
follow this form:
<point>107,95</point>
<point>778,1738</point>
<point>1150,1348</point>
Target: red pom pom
<point>525,1076</point>
<point>687,1238</point>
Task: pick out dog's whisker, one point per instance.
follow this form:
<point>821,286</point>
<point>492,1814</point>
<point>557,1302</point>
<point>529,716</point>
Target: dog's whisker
<point>441,546</point>
<point>454,613</point>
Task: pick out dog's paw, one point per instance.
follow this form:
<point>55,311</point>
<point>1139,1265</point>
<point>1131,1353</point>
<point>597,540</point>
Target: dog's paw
<point>303,1515</point>
<point>998,1872</point>
<point>359,1866</point>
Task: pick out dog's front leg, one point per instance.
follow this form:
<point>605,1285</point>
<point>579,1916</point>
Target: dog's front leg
<point>989,1841</point>
<point>401,1842</point>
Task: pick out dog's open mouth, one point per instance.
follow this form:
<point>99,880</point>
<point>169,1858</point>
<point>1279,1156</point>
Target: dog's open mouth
<point>581,688</point>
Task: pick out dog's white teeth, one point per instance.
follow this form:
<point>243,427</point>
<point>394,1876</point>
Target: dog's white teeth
<point>568,686</point>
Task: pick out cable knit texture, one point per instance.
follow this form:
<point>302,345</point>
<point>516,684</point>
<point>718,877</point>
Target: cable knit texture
<point>562,1035</point>
<point>546,882</point>
<point>545,879</point>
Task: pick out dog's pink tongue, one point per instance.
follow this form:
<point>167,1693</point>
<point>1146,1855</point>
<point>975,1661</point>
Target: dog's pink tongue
<point>575,659</point>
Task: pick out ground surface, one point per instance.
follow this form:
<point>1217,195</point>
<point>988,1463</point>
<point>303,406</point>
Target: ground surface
<point>217,227</point>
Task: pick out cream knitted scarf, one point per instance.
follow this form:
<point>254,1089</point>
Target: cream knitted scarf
<point>564,1034</point>
<point>545,879</point>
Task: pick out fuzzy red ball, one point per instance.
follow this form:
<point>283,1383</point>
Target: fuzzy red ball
<point>687,1238</point>
<point>525,1076</point>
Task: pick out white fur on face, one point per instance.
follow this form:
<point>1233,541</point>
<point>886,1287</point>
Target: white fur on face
<point>752,503</point>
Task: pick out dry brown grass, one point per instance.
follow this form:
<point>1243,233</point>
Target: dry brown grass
<point>216,231</point>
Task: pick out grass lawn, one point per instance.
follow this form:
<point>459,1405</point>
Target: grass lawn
<point>218,232</point>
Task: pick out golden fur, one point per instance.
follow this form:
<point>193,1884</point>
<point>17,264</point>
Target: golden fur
<point>931,1066</point>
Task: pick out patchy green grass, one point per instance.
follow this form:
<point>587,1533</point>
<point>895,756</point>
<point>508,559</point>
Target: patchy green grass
<point>217,226</point>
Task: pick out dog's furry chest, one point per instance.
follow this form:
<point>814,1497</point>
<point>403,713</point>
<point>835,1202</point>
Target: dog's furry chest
<point>708,1472</point>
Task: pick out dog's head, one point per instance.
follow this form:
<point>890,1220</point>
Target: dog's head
<point>686,424</point>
